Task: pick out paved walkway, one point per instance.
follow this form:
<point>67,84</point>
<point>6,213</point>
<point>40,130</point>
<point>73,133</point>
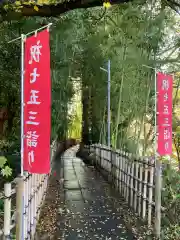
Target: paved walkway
<point>89,209</point>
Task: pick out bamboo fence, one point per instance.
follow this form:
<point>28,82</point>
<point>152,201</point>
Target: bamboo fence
<point>29,193</point>
<point>133,177</point>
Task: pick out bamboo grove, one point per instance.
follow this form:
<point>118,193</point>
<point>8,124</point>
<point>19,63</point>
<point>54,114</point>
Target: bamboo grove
<point>133,37</point>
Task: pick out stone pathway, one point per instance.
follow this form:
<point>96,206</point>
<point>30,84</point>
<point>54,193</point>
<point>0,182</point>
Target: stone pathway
<point>89,209</point>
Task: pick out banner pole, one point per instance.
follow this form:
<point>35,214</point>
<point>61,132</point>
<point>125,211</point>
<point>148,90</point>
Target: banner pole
<point>155,116</point>
<point>158,165</point>
<point>22,130</point>
<point>108,70</point>
<point>22,103</point>
<point>109,105</point>
<point>158,173</point>
<point>29,33</point>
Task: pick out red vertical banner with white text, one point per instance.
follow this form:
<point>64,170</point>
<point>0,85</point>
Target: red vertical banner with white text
<point>37,103</point>
<point>164,113</point>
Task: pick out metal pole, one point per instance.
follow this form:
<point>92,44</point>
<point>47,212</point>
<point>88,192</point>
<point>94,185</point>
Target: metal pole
<point>155,116</point>
<point>109,105</point>
<point>108,70</point>
<point>29,33</point>
<point>158,167</point>
<point>22,102</point>
<point>22,126</point>
<point>158,174</point>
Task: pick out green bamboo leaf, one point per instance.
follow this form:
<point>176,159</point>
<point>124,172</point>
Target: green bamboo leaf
<point>6,172</point>
<point>3,160</point>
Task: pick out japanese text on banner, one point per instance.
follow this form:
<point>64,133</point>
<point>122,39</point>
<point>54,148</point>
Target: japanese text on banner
<point>164,116</point>
<point>37,104</point>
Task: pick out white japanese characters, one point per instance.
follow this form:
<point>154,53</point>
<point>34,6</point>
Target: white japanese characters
<point>32,139</point>
<point>166,122</point>
<point>32,117</point>
<point>35,52</point>
<point>34,75</point>
<point>165,84</point>
<point>30,157</point>
<point>166,110</point>
<point>166,146</point>
<point>33,97</point>
<point>166,114</point>
<point>32,136</point>
<point>165,97</point>
<point>167,134</point>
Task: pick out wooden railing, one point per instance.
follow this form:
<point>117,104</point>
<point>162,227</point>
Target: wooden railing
<point>133,177</point>
<point>27,194</point>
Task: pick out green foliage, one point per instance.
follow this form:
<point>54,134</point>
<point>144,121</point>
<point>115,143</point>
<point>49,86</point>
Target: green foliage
<point>75,123</point>
<point>131,36</point>
<point>171,202</point>
<point>3,160</point>
<point>171,232</point>
<point>6,171</point>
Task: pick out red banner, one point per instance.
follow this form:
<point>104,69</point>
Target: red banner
<point>164,113</point>
<point>37,108</point>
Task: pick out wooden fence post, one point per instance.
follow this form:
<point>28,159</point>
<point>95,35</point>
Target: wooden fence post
<point>128,177</point>
<point>132,182</point>
<point>136,185</point>
<point>7,210</point>
<point>151,179</point>
<point>144,205</point>
<point>19,209</point>
<point>140,200</point>
<point>120,173</point>
<point>158,188</point>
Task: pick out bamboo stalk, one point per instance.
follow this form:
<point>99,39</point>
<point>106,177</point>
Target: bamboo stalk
<point>128,178</point>
<point>117,170</point>
<point>145,188</point>
<point>140,189</point>
<point>26,201</point>
<point>120,172</point>
<point>33,199</point>
<point>119,102</point>
<point>19,208</point>
<point>125,175</point>
<point>7,210</point>
<point>132,183</point>
<point>30,203</point>
<point>158,189</point>
<point>151,178</point>
<point>136,185</point>
<point>146,109</point>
